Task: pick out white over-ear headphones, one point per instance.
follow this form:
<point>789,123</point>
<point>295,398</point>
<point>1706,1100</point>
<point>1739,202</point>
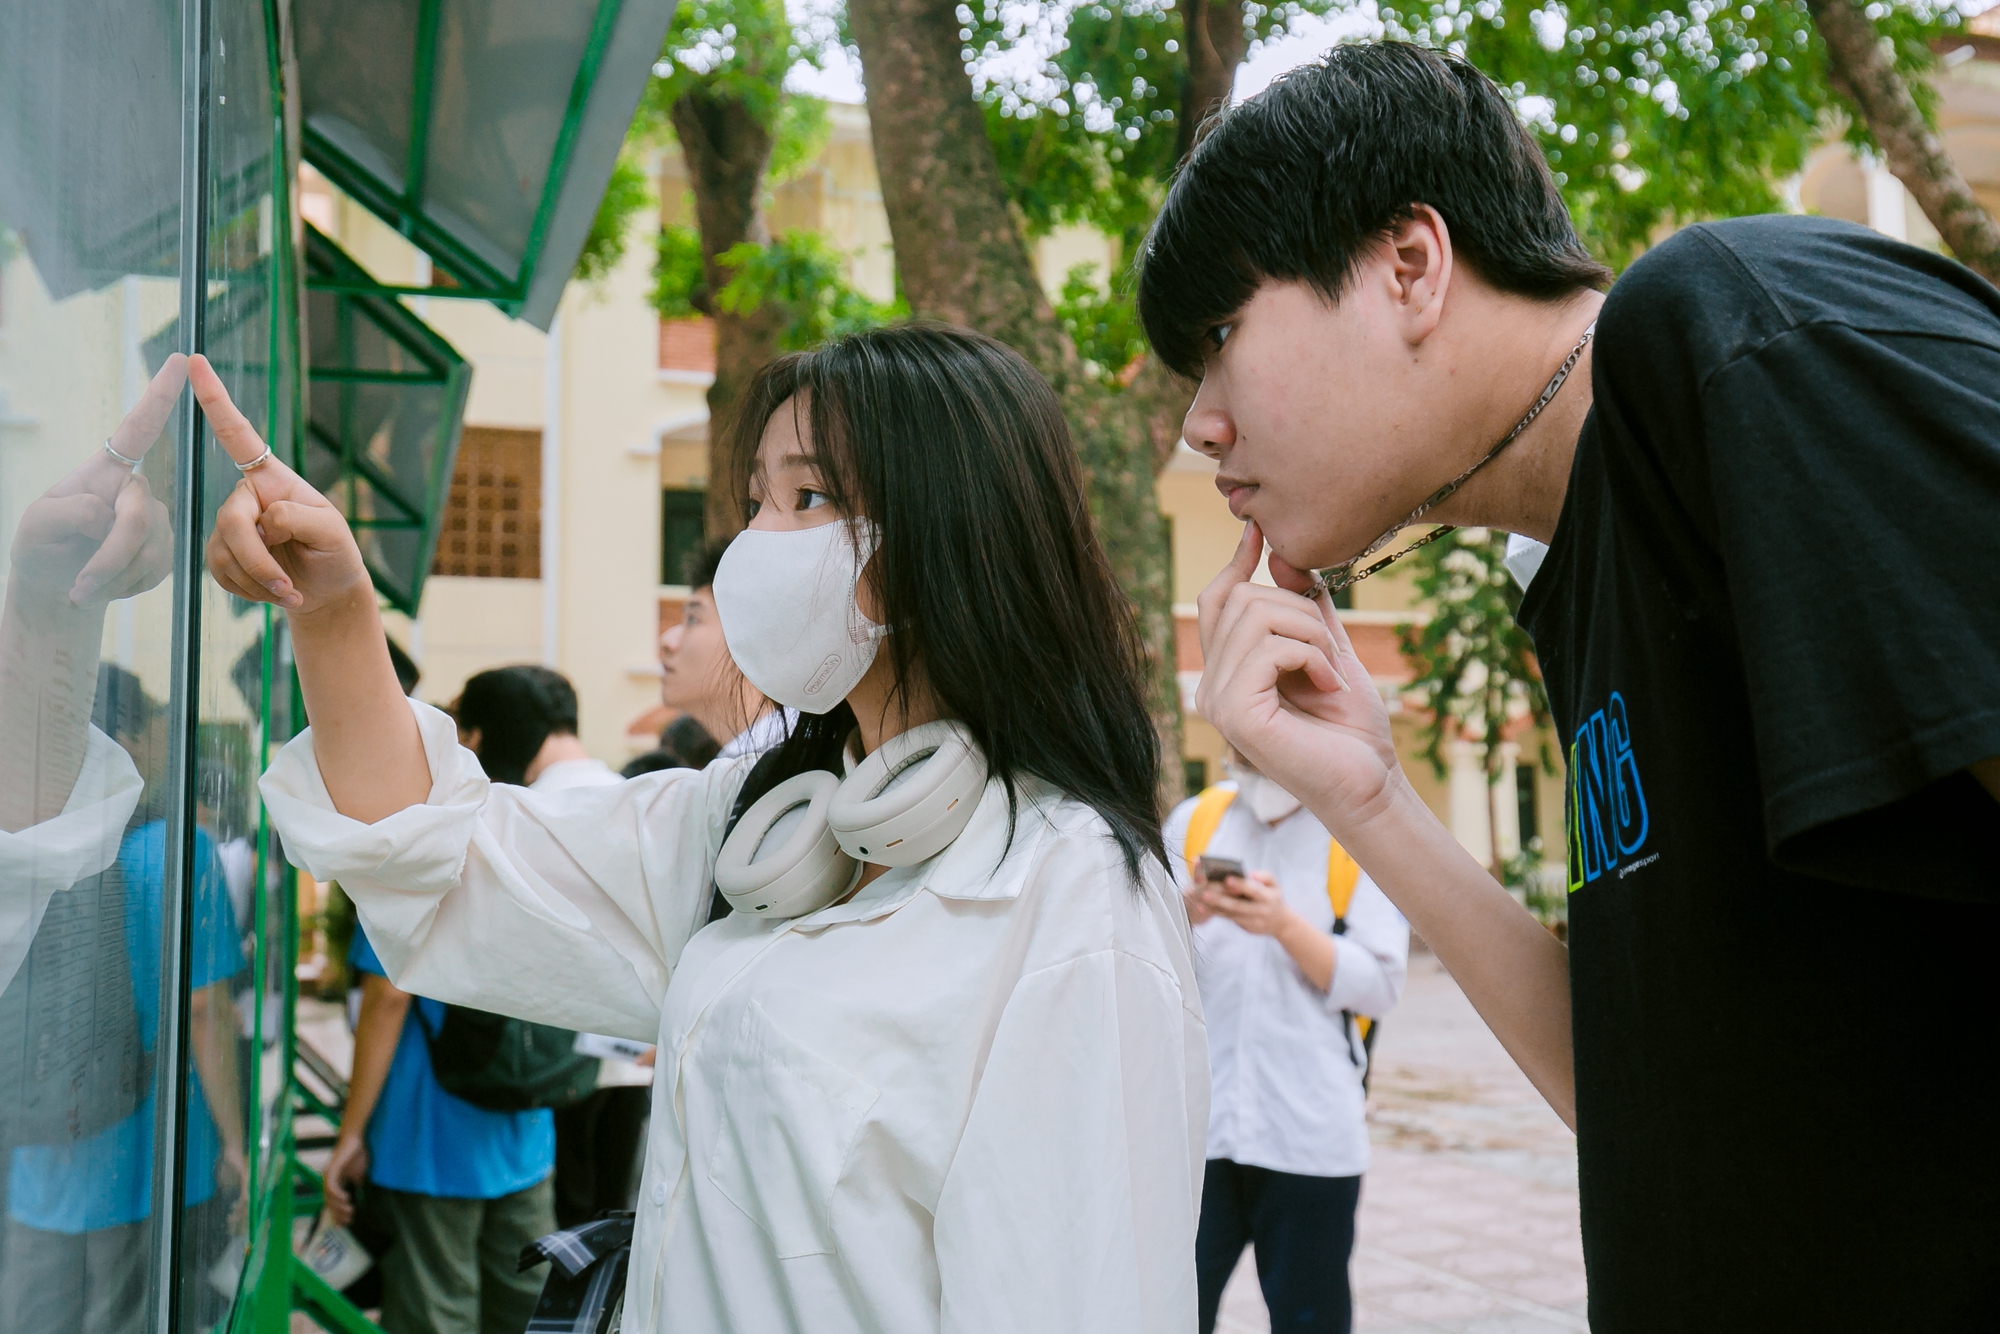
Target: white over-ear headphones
<point>800,846</point>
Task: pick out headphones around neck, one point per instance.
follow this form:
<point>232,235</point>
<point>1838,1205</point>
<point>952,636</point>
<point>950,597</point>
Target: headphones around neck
<point>800,846</point>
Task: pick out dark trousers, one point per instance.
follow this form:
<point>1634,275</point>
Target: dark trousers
<point>453,1269</point>
<point>85,1283</point>
<point>597,1145</point>
<point>1303,1231</point>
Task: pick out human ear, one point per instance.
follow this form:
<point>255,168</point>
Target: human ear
<point>1420,268</point>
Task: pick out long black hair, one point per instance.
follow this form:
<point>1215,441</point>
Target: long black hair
<point>1004,609</point>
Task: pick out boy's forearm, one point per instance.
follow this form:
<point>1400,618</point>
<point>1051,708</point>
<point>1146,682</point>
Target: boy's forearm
<point>376,1035</point>
<point>1512,970</point>
<point>1311,949</point>
<point>212,1029</point>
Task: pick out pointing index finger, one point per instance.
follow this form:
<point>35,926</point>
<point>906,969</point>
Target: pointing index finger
<point>233,431</point>
<point>1241,568</point>
<point>136,434</point>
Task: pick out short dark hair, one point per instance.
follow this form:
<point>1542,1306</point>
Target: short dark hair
<point>1295,183</point>
<point>989,568</point>
<point>689,743</point>
<point>514,710</point>
<point>651,762</point>
<point>704,561</point>
<point>121,708</point>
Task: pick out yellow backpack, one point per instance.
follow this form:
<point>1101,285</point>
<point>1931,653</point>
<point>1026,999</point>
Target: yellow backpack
<point>1342,872</point>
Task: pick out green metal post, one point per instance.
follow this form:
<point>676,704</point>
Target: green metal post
<point>601,29</point>
<point>425,72</point>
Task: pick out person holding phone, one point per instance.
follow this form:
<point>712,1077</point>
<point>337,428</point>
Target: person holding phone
<point>943,1068</point>
<point>1297,954</point>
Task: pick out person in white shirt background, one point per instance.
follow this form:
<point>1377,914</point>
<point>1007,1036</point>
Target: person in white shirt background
<point>521,722</point>
<point>1287,987</point>
<point>965,1087</point>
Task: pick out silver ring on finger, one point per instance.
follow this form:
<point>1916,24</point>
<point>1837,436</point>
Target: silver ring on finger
<point>257,462</point>
<point>130,463</point>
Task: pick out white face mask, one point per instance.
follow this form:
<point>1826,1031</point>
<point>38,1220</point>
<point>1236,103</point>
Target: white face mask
<point>786,601</point>
<point>1268,802</point>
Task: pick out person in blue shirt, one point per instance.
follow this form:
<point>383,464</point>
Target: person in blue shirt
<point>78,1235</point>
<point>463,1188</point>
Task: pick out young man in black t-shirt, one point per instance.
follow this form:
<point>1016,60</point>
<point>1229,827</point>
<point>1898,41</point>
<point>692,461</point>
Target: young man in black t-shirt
<point>1768,466</point>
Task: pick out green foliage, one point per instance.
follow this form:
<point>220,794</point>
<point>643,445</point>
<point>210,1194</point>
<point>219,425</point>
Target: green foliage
<point>800,271</point>
<point>1660,115</point>
<point>803,129</point>
<point>1088,133</point>
<point>1528,874</point>
<point>804,274</point>
<point>727,49</point>
<point>626,193</point>
<point>1103,325</point>
<point>1475,665</point>
<point>677,272</point>
<point>1651,114</point>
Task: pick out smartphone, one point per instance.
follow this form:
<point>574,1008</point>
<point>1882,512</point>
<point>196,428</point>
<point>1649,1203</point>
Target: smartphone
<point>1215,870</point>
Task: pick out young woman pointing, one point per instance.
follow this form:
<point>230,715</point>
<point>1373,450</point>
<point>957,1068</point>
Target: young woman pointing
<point>943,1068</point>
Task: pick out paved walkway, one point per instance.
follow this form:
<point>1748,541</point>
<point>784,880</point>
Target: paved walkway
<point>1468,1215</point>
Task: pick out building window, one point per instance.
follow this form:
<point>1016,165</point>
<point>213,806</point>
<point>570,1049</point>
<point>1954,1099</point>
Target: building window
<point>492,525</point>
<point>1194,775</point>
<point>1524,797</point>
<point>687,347</point>
<point>680,532</point>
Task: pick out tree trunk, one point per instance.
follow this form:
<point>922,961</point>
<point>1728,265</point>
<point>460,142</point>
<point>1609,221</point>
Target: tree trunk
<point>959,254</point>
<point>727,149</point>
<point>1864,73</point>
<point>1214,43</point>
<point>961,258</point>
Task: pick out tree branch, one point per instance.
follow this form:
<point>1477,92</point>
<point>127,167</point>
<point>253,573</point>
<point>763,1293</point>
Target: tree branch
<point>1215,42</point>
<point>1862,72</point>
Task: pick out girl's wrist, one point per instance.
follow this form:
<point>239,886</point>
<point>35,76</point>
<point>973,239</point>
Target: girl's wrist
<point>339,612</point>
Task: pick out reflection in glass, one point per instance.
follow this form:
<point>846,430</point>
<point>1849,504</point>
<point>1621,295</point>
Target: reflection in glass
<point>90,222</point>
<point>134,904</point>
<point>86,875</point>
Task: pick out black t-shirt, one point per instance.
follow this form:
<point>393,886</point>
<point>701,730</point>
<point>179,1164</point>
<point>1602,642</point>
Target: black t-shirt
<point>1770,626</point>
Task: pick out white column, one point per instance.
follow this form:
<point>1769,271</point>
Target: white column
<point>552,408</point>
<point>1885,200</point>
<point>1471,803</point>
<point>1507,805</point>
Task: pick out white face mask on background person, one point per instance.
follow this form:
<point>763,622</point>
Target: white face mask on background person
<point>1268,802</point>
<point>786,601</point>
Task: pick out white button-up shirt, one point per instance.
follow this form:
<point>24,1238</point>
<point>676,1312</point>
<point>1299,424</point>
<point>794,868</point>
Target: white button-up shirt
<point>51,857</point>
<point>972,1098</point>
<point>1286,1070</point>
<point>612,1071</point>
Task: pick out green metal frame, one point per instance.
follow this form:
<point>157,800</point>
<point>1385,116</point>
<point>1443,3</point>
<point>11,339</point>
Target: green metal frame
<point>357,298</point>
<point>477,277</point>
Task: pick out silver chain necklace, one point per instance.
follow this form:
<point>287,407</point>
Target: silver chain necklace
<point>1342,576</point>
